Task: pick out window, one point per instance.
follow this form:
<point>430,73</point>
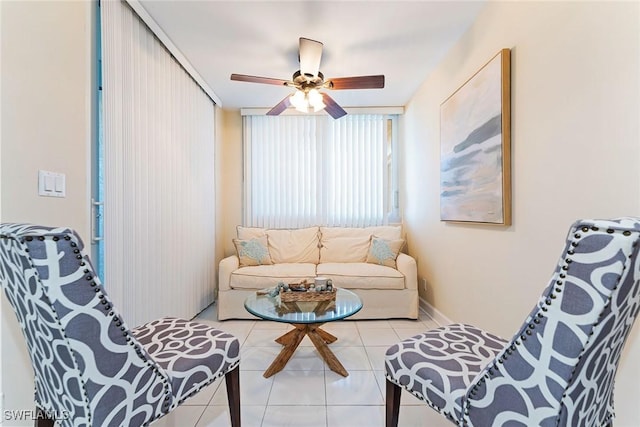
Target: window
<point>313,170</point>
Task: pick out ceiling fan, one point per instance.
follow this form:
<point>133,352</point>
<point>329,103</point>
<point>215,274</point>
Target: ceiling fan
<point>308,81</point>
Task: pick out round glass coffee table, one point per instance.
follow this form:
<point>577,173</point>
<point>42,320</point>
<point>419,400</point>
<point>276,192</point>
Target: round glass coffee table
<point>306,317</point>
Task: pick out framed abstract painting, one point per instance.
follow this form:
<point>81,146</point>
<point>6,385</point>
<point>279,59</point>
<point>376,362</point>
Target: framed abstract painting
<point>475,147</point>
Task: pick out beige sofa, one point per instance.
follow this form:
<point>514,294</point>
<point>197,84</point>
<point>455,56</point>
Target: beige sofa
<point>366,261</point>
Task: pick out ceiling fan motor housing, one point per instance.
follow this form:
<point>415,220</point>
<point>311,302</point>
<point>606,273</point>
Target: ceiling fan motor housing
<point>306,82</point>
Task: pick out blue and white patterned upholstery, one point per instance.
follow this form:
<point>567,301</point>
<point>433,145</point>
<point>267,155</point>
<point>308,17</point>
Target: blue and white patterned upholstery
<point>90,368</point>
<point>559,367</point>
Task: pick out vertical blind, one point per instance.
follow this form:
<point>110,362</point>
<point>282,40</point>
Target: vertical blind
<point>310,170</point>
<point>158,175</point>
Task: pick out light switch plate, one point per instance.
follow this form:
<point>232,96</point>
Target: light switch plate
<point>51,184</point>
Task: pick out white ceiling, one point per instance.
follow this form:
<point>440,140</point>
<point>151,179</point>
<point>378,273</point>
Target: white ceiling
<point>403,40</point>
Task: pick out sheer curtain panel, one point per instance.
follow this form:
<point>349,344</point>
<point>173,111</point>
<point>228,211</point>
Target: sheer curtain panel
<point>313,170</point>
<point>159,178</point>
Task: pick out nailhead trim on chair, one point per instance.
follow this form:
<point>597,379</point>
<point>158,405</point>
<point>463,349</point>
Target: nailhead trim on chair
<point>57,318</point>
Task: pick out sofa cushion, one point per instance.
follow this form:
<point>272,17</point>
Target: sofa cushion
<point>253,252</point>
<point>344,249</point>
<point>333,239</point>
<point>266,276</point>
<point>296,245</point>
<point>361,275</point>
<point>384,252</point>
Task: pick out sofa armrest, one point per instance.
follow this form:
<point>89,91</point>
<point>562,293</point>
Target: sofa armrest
<point>408,267</point>
<point>227,266</point>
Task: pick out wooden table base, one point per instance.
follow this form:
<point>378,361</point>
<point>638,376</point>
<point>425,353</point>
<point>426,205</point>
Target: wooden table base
<point>292,339</point>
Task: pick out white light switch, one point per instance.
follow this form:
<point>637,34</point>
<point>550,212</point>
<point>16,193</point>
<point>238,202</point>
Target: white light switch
<point>60,184</point>
<point>48,183</point>
<point>51,184</point>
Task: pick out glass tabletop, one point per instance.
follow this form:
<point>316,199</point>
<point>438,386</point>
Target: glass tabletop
<point>346,304</point>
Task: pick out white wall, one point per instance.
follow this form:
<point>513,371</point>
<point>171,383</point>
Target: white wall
<point>575,152</point>
<point>46,124</point>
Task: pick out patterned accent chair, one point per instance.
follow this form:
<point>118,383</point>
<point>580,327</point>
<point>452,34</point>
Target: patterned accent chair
<point>558,369</point>
<point>90,368</point>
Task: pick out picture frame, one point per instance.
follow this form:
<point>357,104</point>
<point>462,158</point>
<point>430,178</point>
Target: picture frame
<point>475,147</point>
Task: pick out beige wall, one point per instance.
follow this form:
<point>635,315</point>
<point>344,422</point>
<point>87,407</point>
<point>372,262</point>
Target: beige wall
<point>232,178</point>
<point>46,124</point>
<point>575,152</point>
<point>228,169</point>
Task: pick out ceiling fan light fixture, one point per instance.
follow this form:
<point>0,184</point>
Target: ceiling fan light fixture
<point>299,101</point>
<point>319,107</point>
<point>306,102</point>
<point>315,100</point>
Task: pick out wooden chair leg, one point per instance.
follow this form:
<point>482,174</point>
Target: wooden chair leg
<point>43,419</point>
<point>392,404</point>
<point>232,378</point>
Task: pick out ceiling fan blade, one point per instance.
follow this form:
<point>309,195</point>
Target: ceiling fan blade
<point>361,82</point>
<point>309,54</point>
<point>332,107</point>
<point>256,79</point>
<point>280,107</point>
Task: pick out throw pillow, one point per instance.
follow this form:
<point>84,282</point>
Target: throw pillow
<point>253,252</point>
<point>384,252</point>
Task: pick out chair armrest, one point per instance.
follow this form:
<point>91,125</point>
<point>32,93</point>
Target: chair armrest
<point>227,266</point>
<point>408,267</point>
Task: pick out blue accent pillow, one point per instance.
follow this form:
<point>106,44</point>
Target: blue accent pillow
<point>253,252</point>
<point>384,252</point>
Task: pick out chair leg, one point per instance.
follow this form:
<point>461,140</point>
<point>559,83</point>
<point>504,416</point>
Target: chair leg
<point>43,419</point>
<point>392,404</point>
<point>232,378</point>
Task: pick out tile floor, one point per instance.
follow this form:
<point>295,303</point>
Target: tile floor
<point>307,393</point>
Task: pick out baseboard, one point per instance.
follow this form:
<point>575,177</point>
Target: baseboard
<point>435,314</point>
